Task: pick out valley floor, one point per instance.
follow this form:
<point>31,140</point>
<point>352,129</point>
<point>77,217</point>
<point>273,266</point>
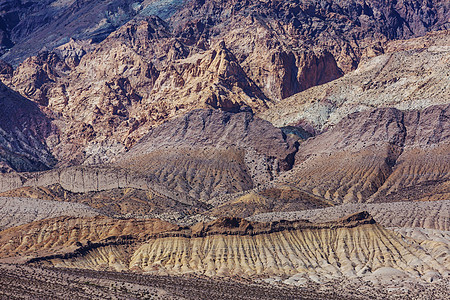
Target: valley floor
<point>25,282</point>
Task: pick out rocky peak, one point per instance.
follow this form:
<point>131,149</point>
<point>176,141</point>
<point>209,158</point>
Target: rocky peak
<point>227,55</point>
<point>140,31</point>
<point>35,77</point>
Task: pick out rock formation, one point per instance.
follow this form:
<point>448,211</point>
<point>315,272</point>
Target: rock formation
<point>207,152</point>
<point>225,247</point>
<point>136,135</point>
<point>411,75</point>
<point>377,156</point>
<point>207,54</point>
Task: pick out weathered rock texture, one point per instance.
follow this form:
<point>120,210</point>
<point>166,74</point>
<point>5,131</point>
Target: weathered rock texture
<point>207,153</point>
<point>352,247</point>
<point>104,109</point>
<point>283,253</point>
<point>383,155</point>
<point>221,54</point>
<point>66,234</point>
<point>189,159</point>
<point>288,46</point>
<point>412,74</point>
<point>379,156</point>
<point>19,211</point>
<point>102,186</point>
<point>233,163</point>
<point>152,116</point>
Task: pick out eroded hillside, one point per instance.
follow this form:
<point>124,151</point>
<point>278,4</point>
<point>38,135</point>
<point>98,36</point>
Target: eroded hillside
<point>233,149</point>
<point>225,247</point>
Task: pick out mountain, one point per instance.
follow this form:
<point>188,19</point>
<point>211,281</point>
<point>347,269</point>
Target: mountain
<point>208,152</point>
<point>379,155</point>
<point>224,149</point>
<point>180,164</point>
<point>411,74</point>
<point>28,26</point>
<point>208,54</point>
<point>383,155</point>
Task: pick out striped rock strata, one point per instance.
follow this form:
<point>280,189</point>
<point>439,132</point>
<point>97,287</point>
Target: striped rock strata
<point>353,247</point>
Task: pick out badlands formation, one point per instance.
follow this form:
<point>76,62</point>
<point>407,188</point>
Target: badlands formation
<point>224,149</point>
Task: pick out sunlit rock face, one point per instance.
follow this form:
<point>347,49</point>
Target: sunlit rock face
<point>412,74</point>
<point>225,247</point>
<point>137,64</point>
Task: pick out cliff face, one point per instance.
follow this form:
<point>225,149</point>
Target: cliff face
<point>127,93</point>
<point>305,43</point>
<point>28,26</point>
<point>254,255</point>
<point>412,74</point>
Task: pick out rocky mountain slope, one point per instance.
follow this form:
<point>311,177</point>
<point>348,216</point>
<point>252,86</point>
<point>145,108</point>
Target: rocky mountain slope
<point>27,26</point>
<point>135,136</point>
<point>207,152</point>
<point>237,164</point>
<point>187,160</point>
<point>219,54</point>
<point>24,132</point>
<point>383,155</point>
<point>412,74</point>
